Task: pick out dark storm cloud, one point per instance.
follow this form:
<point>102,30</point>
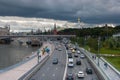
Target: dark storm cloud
<point>90,11</point>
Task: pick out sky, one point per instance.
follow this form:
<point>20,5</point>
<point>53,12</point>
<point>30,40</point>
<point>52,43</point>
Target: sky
<point>89,11</point>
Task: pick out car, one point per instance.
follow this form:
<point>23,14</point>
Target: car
<point>55,61</point>
<point>69,55</point>
<point>70,60</point>
<point>89,71</point>
<point>59,49</point>
<point>81,74</point>
<point>73,51</point>
<point>70,64</point>
<point>82,56</point>
<point>69,76</point>
<point>75,55</point>
<point>78,52</point>
<point>78,62</point>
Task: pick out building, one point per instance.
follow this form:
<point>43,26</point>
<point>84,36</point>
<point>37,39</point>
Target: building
<point>5,30</point>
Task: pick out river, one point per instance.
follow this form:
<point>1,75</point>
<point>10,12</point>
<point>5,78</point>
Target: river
<point>12,54</point>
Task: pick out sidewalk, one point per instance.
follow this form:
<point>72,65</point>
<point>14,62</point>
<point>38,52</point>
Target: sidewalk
<point>111,73</point>
<point>16,72</point>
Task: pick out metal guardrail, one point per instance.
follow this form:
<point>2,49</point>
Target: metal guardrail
<point>34,69</point>
<point>99,72</point>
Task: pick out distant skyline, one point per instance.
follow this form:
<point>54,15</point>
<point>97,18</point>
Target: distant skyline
<point>89,11</point>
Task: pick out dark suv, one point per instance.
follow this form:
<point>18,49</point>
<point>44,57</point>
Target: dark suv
<point>78,62</point>
<point>69,76</point>
<point>89,71</point>
<point>55,61</point>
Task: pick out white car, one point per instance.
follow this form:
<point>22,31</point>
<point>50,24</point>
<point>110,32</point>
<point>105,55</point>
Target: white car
<point>82,56</point>
<point>81,74</point>
<point>70,60</point>
<point>70,64</point>
<point>78,52</point>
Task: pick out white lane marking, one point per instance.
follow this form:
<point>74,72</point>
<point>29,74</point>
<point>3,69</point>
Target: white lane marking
<point>66,65</point>
<point>56,68</point>
<point>43,74</point>
<point>53,75</point>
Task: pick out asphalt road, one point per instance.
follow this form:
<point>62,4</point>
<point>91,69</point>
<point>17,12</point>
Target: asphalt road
<point>82,67</point>
<point>51,71</point>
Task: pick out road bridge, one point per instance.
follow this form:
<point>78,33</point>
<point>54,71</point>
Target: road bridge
<point>49,36</point>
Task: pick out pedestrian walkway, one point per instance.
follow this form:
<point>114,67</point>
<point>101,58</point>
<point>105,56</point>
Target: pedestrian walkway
<point>107,70</point>
<point>105,67</point>
<point>16,72</point>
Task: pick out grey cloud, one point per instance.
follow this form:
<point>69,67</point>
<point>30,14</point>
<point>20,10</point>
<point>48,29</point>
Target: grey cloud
<point>99,11</point>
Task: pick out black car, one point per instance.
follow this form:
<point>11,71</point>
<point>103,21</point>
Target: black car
<point>89,71</point>
<point>75,55</point>
<point>55,61</point>
<point>69,76</point>
<point>69,55</point>
<point>78,62</point>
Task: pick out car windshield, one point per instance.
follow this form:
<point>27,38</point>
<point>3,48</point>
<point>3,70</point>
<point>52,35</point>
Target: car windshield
<point>70,74</point>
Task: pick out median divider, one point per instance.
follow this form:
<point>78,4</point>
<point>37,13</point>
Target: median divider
<point>30,73</point>
<point>101,75</point>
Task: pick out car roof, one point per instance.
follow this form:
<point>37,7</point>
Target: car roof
<point>80,72</point>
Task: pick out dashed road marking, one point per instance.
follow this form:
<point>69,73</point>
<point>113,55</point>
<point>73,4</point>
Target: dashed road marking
<point>56,68</point>
<point>53,75</point>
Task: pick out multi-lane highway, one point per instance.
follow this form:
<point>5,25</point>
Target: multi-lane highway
<point>50,71</point>
<point>84,64</point>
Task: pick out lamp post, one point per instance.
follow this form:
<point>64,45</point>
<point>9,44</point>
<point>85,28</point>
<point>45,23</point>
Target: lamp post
<point>98,50</point>
<point>84,41</point>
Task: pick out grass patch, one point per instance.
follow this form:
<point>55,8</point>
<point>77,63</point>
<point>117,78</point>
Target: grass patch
<point>106,51</point>
<point>115,61</point>
<point>109,51</point>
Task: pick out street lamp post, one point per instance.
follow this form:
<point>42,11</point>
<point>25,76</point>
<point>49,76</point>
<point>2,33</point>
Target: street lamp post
<point>84,41</point>
<point>98,49</point>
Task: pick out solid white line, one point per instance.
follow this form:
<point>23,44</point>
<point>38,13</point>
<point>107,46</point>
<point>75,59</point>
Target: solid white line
<point>56,68</point>
<point>66,65</point>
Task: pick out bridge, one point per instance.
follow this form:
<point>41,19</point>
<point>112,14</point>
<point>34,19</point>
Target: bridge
<point>48,36</point>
